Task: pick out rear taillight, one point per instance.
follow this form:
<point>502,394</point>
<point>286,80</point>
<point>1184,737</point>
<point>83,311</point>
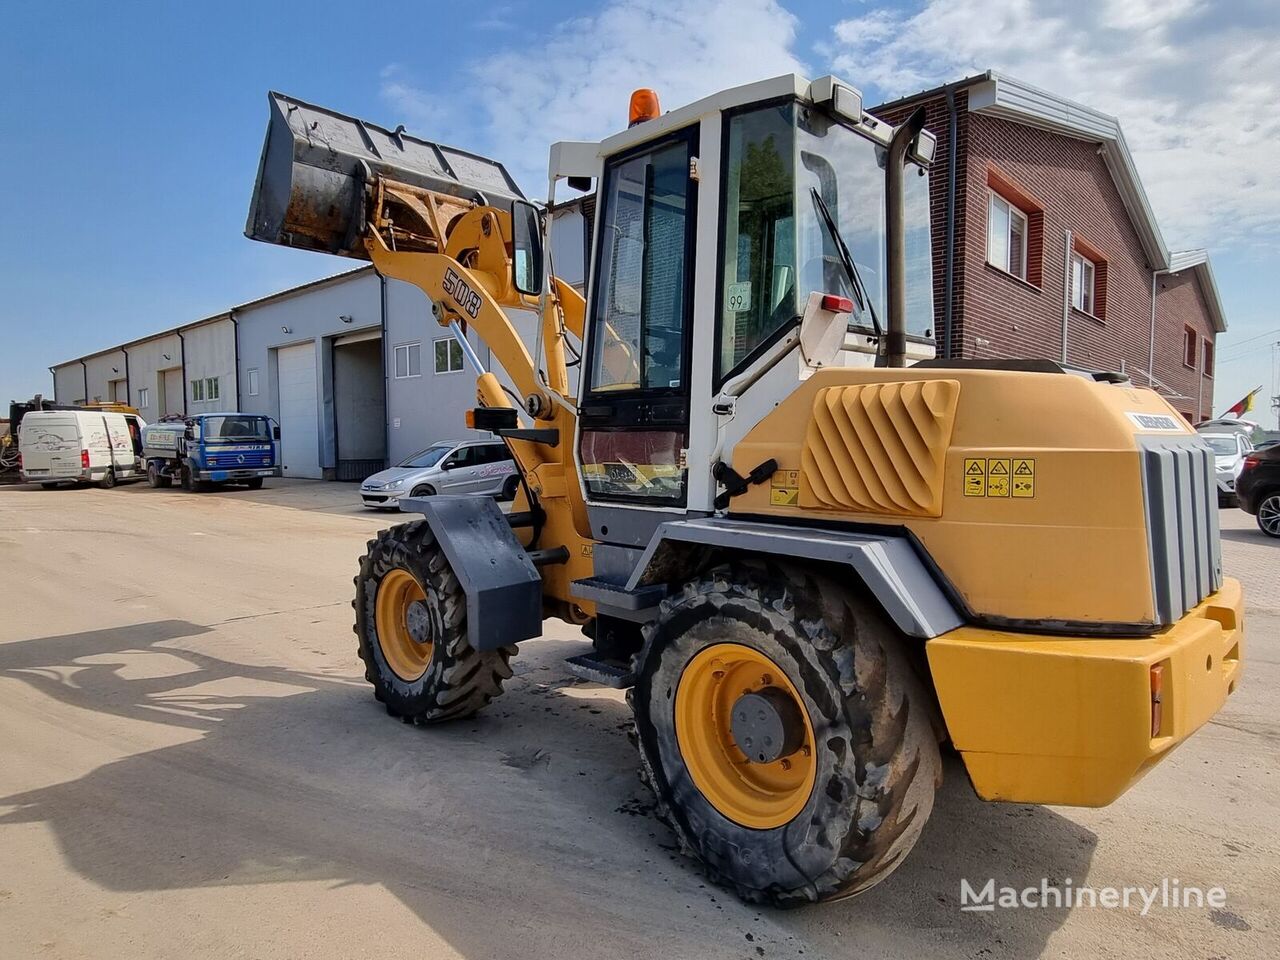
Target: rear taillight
<point>1157,699</point>
<point>84,459</point>
<point>1250,462</point>
<point>19,461</point>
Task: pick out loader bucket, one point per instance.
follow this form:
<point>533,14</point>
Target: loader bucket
<point>311,188</point>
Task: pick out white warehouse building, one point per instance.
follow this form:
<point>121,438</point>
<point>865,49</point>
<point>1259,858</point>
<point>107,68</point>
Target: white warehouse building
<point>353,367</point>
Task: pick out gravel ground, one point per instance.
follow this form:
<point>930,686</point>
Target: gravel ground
<point>190,765</point>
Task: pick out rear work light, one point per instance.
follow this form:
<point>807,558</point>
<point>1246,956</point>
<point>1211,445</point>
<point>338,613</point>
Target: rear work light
<point>836,304</point>
<point>84,459</point>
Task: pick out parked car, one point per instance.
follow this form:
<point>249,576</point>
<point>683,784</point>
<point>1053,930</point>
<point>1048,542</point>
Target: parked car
<point>77,446</point>
<point>1258,489</point>
<point>1229,451</point>
<point>212,448</point>
<point>452,466</point>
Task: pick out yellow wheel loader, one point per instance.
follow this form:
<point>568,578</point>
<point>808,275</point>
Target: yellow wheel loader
<point>813,551</point>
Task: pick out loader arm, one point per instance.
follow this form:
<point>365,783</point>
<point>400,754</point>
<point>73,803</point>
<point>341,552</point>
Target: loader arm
<point>478,297</point>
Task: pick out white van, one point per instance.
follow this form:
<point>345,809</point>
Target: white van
<point>58,446</point>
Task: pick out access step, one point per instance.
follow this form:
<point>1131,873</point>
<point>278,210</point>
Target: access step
<point>611,673</point>
<point>612,594</point>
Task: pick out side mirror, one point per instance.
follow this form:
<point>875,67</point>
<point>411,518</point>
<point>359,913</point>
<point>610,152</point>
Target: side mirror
<point>275,433</point>
<point>526,248</point>
<point>448,465</point>
<point>189,433</point>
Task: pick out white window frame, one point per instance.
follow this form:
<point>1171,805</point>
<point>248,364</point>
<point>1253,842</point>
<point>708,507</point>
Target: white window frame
<point>144,398</point>
<point>452,352</point>
<point>197,391</point>
<point>1014,212</point>
<point>1085,304</point>
<point>213,388</point>
<point>408,349</point>
<point>252,378</point>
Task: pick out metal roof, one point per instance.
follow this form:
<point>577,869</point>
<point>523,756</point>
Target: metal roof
<point>995,94</point>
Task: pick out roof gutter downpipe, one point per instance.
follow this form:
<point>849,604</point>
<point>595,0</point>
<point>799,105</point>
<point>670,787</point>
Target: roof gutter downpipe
<point>182,348</point>
<point>1069,245</point>
<point>1151,351</point>
<point>896,237</point>
<point>235,339</point>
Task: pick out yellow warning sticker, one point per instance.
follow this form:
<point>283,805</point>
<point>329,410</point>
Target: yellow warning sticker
<point>1024,478</point>
<point>784,488</point>
<point>975,478</point>
<point>997,478</point>
<point>1000,477</point>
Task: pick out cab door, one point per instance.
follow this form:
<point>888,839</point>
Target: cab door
<point>634,419</point>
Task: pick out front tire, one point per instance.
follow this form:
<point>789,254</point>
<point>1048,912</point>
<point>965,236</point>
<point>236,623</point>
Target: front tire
<point>848,762</point>
<point>425,490</point>
<point>1269,514</point>
<point>510,487</point>
<point>254,484</point>
<point>411,624</point>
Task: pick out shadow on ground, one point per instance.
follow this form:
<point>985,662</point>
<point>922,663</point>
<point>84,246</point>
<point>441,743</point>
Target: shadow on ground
<point>531,812</point>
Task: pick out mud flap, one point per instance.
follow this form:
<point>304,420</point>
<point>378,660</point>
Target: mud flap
<point>503,587</point>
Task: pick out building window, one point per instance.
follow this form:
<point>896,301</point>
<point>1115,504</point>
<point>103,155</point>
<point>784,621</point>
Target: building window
<point>1207,353</point>
<point>408,360</point>
<point>1189,343</point>
<point>448,355</point>
<point>253,383</point>
<point>1082,283</point>
<point>212,388</point>
<point>144,398</point>
<point>197,390</point>
<point>1006,236</point>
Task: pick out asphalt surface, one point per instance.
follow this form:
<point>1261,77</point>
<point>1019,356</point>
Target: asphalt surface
<point>191,765</point>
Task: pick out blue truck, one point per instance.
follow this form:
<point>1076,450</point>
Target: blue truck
<point>212,448</point>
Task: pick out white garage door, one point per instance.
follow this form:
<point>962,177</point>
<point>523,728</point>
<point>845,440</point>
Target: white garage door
<point>299,414</point>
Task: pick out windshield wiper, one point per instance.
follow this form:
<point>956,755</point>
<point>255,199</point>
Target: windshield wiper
<point>850,267</point>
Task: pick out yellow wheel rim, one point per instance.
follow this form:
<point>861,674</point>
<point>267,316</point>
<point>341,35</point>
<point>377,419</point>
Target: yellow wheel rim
<point>398,592</point>
<point>753,794</point>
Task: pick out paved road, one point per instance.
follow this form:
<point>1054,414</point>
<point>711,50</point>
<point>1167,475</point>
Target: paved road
<point>190,765</point>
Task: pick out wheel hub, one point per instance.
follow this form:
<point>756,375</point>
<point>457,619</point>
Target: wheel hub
<point>744,735</point>
<point>767,725</point>
<point>418,621</point>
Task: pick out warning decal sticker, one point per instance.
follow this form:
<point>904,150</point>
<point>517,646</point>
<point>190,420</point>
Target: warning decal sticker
<point>1024,478</point>
<point>975,478</point>
<point>1000,477</point>
<point>784,488</point>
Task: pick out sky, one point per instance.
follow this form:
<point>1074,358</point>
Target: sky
<point>132,130</point>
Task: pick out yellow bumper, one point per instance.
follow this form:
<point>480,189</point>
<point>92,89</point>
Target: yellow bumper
<point>1069,720</point>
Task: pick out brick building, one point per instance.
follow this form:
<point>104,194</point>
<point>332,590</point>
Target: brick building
<point>1045,244</point>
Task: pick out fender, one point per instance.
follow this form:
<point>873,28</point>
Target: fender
<point>887,563</point>
<point>502,585</point>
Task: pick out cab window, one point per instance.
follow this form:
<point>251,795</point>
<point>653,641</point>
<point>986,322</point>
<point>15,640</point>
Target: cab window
<point>640,318</point>
<point>758,256</point>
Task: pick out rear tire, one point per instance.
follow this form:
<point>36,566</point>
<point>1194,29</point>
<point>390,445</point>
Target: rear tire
<point>49,486</point>
<point>423,670</point>
<point>109,481</point>
<point>842,815</point>
<point>153,476</point>
<point>1269,514</point>
<point>510,487</point>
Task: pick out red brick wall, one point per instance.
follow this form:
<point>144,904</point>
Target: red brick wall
<point>997,315</point>
<point>1180,304</point>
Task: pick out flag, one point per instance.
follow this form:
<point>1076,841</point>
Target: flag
<point>1244,406</point>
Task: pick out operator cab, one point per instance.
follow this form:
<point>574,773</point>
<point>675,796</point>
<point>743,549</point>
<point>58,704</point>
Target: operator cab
<point>731,237</point>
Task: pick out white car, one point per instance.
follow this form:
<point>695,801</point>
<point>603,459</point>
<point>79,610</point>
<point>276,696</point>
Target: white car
<point>79,446</point>
<point>1229,451</point>
<point>481,467</point>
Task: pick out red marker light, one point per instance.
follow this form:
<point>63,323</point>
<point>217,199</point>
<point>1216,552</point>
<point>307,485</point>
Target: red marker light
<point>836,304</point>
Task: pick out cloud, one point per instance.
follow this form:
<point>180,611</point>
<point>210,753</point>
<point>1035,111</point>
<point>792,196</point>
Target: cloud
<point>574,83</point>
<point>1194,83</point>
